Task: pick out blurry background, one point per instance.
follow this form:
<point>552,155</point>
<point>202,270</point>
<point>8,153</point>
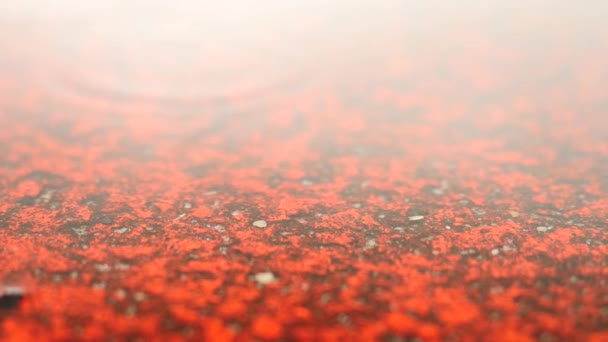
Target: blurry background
<point>204,49</point>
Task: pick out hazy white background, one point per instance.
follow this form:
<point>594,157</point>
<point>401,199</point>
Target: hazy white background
<point>211,47</point>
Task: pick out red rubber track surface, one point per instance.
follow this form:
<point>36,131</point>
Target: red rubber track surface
<point>456,191</point>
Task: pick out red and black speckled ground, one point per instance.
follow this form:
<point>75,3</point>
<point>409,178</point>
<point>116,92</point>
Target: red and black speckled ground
<point>457,191</point>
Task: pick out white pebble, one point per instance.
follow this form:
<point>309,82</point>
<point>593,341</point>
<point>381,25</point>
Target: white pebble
<point>102,267</point>
<point>264,278</point>
<point>307,182</point>
<point>181,216</point>
<point>438,191</point>
<point>260,224</point>
<point>10,290</point>
<point>121,230</point>
<point>122,267</point>
<point>416,218</point>
<point>370,244</point>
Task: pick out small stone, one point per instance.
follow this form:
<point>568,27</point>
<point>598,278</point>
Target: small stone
<point>131,310</point>
<point>438,191</point>
<point>260,224</point>
<point>478,211</point>
<point>102,267</point>
<point>370,244</point>
<point>264,278</point>
<point>80,230</point>
<point>344,319</point>
<point>307,182</point>
<point>514,214</point>
<point>46,196</point>
<point>140,296</point>
<point>542,229</point>
<point>10,290</point>
<point>416,218</point>
<point>99,286</point>
<point>121,294</point>
<point>121,230</point>
<point>495,251</point>
<point>326,297</point>
<point>497,289</point>
<point>187,205</point>
<point>122,266</point>
<point>469,251</point>
<point>441,190</point>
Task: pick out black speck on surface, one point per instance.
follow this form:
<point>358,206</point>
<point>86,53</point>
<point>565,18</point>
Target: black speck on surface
<point>10,300</point>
